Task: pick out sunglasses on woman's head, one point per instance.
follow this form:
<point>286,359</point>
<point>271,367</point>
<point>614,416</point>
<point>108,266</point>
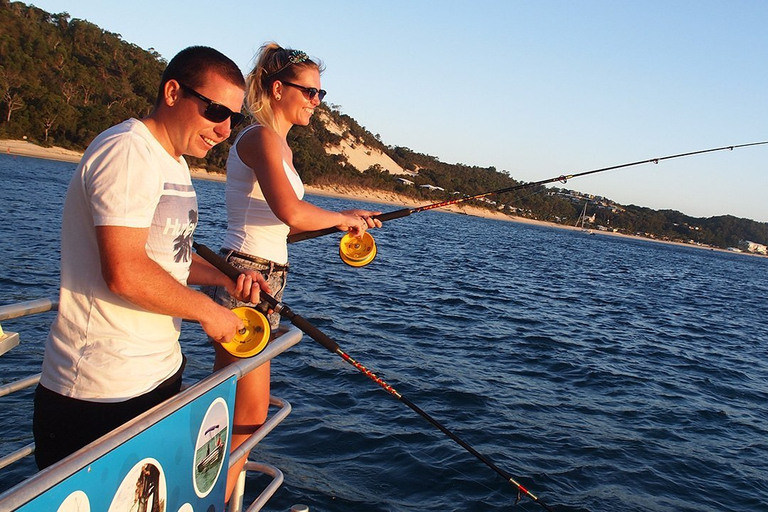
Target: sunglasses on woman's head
<point>311,91</point>
<point>216,112</point>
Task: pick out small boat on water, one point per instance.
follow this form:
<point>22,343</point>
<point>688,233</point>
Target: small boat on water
<point>582,218</point>
<point>149,463</point>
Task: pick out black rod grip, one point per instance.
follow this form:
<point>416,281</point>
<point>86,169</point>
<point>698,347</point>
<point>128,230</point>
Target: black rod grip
<point>305,326</point>
<point>217,261</point>
<point>306,235</point>
<point>383,217</point>
<point>393,215</point>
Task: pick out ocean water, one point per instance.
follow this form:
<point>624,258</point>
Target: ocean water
<point>604,374</point>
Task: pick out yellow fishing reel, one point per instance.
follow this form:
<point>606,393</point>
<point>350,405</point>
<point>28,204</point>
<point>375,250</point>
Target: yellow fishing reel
<point>357,251</point>
<point>254,336</point>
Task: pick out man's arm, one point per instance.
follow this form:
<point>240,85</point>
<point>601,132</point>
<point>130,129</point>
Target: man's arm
<point>132,275</point>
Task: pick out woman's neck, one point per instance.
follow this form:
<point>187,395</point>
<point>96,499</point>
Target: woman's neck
<point>283,126</point>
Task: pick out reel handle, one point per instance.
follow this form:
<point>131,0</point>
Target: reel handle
<point>253,338</point>
<point>306,235</point>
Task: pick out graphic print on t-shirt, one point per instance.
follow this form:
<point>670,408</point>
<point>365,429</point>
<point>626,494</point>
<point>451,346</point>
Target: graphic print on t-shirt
<point>172,227</point>
<point>182,244</point>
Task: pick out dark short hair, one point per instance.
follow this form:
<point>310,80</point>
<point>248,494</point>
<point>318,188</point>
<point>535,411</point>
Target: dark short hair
<point>191,64</point>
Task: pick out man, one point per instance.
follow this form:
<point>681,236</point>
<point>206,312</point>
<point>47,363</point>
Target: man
<point>126,259</point>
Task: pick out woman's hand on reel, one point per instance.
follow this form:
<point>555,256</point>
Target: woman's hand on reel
<point>356,222</point>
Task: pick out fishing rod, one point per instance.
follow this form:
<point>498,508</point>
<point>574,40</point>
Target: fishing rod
<point>298,237</point>
<point>317,335</point>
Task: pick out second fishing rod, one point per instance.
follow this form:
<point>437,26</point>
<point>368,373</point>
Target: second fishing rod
<point>320,337</point>
<point>359,254</point>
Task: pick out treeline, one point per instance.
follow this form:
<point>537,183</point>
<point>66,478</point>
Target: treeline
<point>721,231</point>
<point>64,80</point>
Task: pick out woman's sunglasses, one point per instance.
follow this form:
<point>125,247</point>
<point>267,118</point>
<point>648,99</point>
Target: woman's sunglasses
<point>216,112</point>
<point>309,90</point>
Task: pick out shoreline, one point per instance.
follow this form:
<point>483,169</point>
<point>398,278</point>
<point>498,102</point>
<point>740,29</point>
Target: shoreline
<point>23,148</point>
<point>27,149</point>
<point>385,197</point>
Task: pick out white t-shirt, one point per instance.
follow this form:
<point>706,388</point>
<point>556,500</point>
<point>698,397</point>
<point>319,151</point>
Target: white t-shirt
<point>252,228</point>
<point>101,347</point>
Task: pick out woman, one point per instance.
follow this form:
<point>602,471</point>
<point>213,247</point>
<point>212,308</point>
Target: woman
<point>265,203</point>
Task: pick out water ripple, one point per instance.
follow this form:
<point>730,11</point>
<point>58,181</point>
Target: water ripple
<point>603,373</point>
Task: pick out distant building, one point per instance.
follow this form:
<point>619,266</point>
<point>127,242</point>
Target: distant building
<point>405,181</point>
<point>432,187</point>
<point>756,248</point>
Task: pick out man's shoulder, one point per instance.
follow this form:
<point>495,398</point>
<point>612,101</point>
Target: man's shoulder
<point>126,130</point>
<point>131,134</point>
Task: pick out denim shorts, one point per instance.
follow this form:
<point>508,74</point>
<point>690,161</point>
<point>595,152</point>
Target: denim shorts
<point>276,278</point>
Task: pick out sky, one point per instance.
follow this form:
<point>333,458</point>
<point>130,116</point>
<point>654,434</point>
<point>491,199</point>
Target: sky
<point>535,88</point>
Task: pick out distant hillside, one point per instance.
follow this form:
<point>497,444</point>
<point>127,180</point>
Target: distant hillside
<point>63,80</point>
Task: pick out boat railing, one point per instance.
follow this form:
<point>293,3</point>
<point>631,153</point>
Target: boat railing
<point>46,479</point>
<point>10,340</point>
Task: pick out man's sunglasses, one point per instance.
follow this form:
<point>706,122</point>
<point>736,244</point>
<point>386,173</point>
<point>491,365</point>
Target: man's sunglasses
<point>216,112</point>
<point>309,90</point>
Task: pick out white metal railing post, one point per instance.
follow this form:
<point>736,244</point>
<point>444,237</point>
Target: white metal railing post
<point>236,500</point>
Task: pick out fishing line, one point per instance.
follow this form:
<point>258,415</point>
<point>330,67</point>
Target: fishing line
<point>317,335</point>
<point>306,235</point>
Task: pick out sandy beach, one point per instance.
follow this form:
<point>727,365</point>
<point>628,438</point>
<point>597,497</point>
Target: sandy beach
<point>389,198</point>
<point>24,148</point>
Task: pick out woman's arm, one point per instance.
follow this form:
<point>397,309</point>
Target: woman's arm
<point>262,151</point>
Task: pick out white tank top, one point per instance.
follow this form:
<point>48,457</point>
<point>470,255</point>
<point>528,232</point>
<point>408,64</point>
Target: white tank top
<point>252,228</point>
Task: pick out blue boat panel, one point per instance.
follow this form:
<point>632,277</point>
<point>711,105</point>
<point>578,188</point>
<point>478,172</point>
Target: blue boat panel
<point>178,464</point>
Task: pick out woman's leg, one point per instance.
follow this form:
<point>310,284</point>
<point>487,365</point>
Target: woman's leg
<point>252,395</point>
<point>251,408</point>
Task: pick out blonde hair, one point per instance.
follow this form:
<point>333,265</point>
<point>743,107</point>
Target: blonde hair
<point>273,63</point>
